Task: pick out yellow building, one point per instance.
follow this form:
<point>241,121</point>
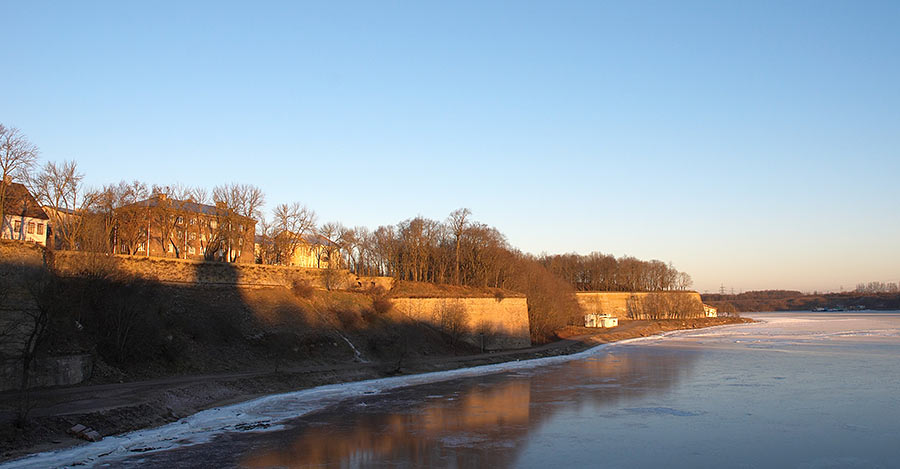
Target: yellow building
<point>310,250</point>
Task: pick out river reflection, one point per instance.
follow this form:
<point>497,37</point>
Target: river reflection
<point>473,422</point>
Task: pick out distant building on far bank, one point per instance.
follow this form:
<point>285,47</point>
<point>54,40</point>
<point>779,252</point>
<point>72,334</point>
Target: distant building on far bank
<point>710,311</point>
<point>23,218</point>
<point>600,320</point>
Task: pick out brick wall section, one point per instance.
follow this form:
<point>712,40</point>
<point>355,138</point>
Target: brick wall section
<point>615,303</point>
<point>505,321</point>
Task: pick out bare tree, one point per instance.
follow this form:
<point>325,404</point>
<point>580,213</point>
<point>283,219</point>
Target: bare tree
<point>237,208</point>
<point>291,224</point>
<point>17,157</point>
<point>458,222</point>
<point>331,251</point>
<point>684,281</point>
<point>245,200</point>
<point>59,187</point>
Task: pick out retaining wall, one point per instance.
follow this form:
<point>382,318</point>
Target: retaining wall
<point>47,371</point>
<point>616,303</point>
<point>183,271</point>
<point>502,323</point>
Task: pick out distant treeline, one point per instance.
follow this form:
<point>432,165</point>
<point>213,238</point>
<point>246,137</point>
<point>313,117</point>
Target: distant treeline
<point>877,287</point>
<point>787,300</point>
<point>604,272</point>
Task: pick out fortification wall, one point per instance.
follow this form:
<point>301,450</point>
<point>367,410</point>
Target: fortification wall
<point>502,323</point>
<point>183,271</point>
<point>47,371</point>
<point>616,303</point>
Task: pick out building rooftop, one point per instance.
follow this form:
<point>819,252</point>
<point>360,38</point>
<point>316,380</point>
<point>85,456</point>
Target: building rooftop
<point>20,203</point>
<point>186,206</point>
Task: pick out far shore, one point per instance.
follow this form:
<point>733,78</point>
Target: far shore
<point>122,407</point>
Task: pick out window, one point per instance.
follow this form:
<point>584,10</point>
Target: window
<point>18,226</point>
<point>31,227</point>
<point>193,236</point>
<point>213,224</point>
<point>141,247</point>
<point>171,248</point>
<point>240,241</point>
<point>241,228</point>
<point>193,221</point>
<point>180,220</point>
<point>191,250</point>
<point>40,228</point>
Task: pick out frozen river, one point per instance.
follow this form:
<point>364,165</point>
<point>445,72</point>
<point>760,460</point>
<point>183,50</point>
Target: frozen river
<point>798,390</point>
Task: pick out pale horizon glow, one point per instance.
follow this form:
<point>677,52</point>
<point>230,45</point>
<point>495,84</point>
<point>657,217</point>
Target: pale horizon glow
<point>752,144</point>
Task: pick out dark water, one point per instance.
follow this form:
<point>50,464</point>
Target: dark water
<point>798,391</point>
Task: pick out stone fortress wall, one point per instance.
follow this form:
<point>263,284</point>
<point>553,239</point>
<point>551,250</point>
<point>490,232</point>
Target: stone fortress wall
<point>494,323</point>
<point>616,303</point>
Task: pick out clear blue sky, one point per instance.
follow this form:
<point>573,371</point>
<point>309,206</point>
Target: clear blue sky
<point>755,144</point>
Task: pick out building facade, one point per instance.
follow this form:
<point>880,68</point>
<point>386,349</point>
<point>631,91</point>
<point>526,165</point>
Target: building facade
<point>164,227</point>
<point>23,218</point>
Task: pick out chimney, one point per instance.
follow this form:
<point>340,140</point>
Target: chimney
<point>220,205</point>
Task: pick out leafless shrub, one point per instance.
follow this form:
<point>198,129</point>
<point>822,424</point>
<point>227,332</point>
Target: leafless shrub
<point>349,319</point>
<point>302,288</point>
<point>333,278</point>
<point>451,317</point>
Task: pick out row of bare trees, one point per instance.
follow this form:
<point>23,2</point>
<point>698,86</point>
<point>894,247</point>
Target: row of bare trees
<point>455,251</point>
<point>664,305</point>
<point>117,218</point>
<point>604,272</point>
<point>877,287</point>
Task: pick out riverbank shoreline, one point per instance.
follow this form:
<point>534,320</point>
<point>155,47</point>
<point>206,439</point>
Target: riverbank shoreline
<point>118,408</point>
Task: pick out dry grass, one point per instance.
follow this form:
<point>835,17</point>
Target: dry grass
<point>406,289</point>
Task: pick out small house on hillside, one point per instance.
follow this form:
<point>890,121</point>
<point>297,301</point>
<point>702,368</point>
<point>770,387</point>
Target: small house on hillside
<point>600,320</point>
<point>710,312</point>
<point>23,218</point>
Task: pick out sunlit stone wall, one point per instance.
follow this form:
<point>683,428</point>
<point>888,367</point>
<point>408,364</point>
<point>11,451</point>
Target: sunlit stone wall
<point>192,272</point>
<point>616,303</point>
<point>501,322</point>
